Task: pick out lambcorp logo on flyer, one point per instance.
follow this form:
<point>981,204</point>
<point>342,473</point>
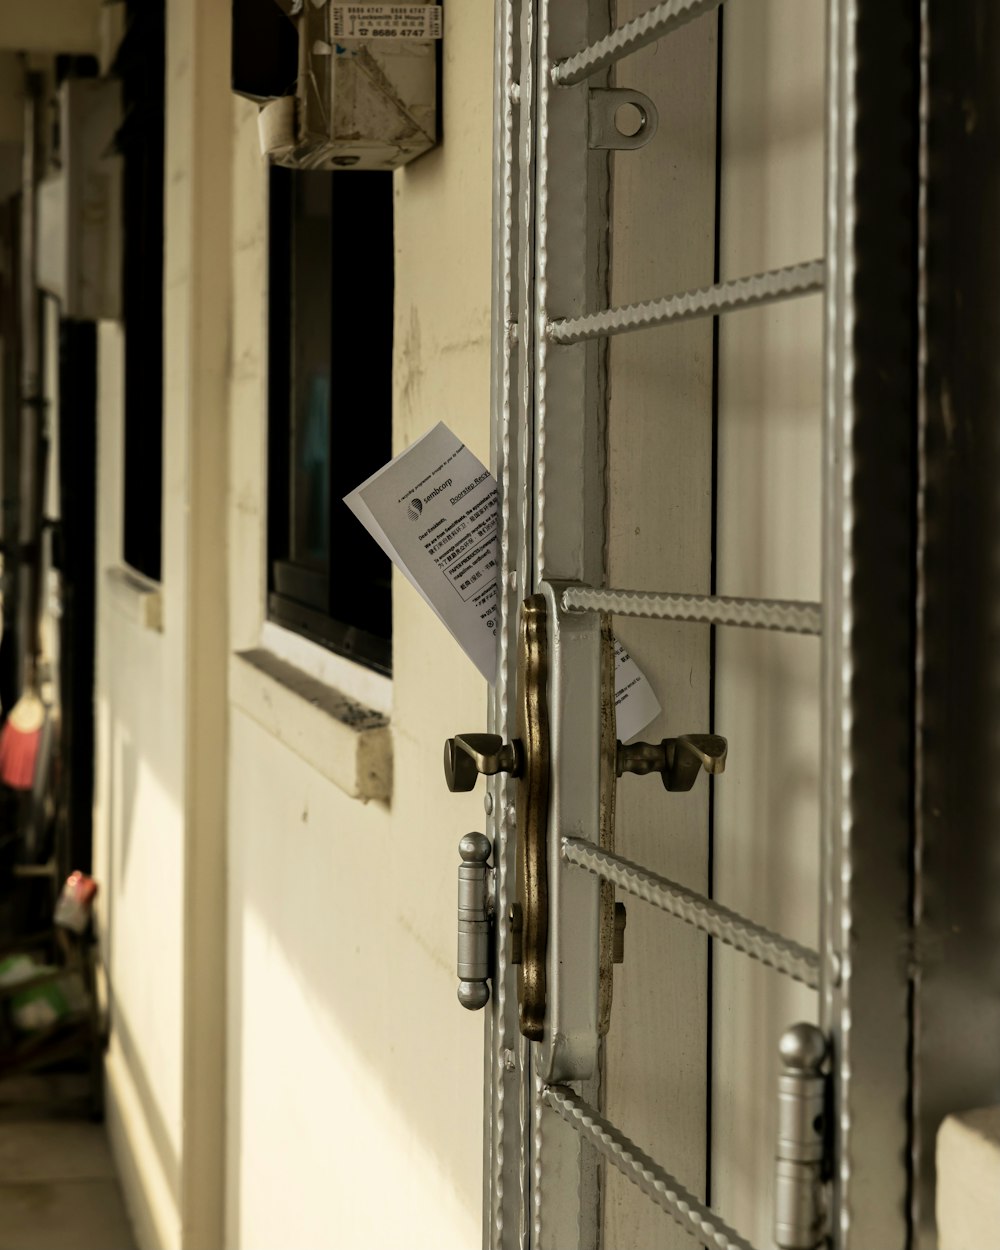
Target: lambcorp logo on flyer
<point>414,508</point>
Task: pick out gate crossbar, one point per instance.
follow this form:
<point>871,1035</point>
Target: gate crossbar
<point>789,616</point>
<point>753,291</point>
<point>769,948</point>
<point>656,22</point>
<point>654,1181</point>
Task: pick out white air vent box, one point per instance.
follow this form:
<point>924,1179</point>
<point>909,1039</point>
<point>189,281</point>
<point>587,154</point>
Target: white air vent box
<point>79,204</point>
<point>366,87</point>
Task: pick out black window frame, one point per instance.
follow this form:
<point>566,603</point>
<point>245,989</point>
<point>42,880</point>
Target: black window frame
<point>141,66</point>
<point>346,606</point>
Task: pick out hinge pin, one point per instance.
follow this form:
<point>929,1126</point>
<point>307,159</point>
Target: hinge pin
<point>473,922</point>
<point>798,1198</point>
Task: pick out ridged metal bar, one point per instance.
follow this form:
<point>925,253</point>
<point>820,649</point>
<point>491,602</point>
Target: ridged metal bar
<point>787,615</point>
<point>777,952</point>
<point>500,1169</point>
<point>872,353</point>
<point>660,20</point>
<point>750,292</point>
<point>654,1181</point>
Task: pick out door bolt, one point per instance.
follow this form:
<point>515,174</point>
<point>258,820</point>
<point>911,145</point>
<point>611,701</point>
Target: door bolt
<point>799,1215</point>
<point>473,921</point>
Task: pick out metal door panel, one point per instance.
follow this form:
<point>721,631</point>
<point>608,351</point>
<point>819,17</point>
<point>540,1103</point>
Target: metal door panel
<point>660,486</point>
<point>549,418</point>
<point>570,278</point>
<point>569,1051</point>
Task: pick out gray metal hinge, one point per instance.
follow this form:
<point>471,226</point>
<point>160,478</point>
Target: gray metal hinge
<point>475,921</point>
<point>801,1164</point>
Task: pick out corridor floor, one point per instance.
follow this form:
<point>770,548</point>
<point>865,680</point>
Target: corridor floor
<point>58,1186</point>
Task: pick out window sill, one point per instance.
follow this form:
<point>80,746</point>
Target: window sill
<point>348,743</point>
<point>136,597</point>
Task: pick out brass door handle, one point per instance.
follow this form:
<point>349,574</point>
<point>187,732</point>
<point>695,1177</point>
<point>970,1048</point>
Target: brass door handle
<point>466,756</point>
<point>677,760</point>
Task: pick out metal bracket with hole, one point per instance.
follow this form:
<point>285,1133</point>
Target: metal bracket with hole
<point>621,119</point>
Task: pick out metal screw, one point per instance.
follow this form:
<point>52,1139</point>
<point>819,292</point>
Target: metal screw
<point>508,1059</point>
<point>488,803</point>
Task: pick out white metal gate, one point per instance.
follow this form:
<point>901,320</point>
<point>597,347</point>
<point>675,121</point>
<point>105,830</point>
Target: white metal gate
<point>842,1146</point>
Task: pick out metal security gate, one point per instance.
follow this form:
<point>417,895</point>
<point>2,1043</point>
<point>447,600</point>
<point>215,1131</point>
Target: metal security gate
<point>565,113</point>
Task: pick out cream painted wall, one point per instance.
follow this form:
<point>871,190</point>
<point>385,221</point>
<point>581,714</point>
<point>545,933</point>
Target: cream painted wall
<point>350,1063</point>
<point>138,854</point>
<point>159,827</point>
<point>354,1080</point>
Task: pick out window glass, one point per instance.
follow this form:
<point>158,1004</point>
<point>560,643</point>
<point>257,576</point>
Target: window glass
<point>330,398</point>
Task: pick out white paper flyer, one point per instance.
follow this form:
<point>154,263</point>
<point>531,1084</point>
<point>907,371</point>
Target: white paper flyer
<point>434,511</point>
<point>635,703</point>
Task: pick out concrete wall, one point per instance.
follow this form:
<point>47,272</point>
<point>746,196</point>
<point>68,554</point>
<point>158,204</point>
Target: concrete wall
<point>258,910</point>
<point>161,691</point>
<point>354,1081</point>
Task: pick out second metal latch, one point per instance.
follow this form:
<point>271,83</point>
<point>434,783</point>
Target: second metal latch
<point>677,760</point>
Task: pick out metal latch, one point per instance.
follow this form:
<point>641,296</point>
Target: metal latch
<point>469,756</point>
<point>527,759</point>
<point>475,921</point>
<point>677,760</point>
<point>800,1165</point>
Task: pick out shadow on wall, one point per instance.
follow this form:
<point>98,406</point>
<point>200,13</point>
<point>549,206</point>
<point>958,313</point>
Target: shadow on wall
<point>338,1036</point>
<point>159,1132</point>
<point>128,776</point>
